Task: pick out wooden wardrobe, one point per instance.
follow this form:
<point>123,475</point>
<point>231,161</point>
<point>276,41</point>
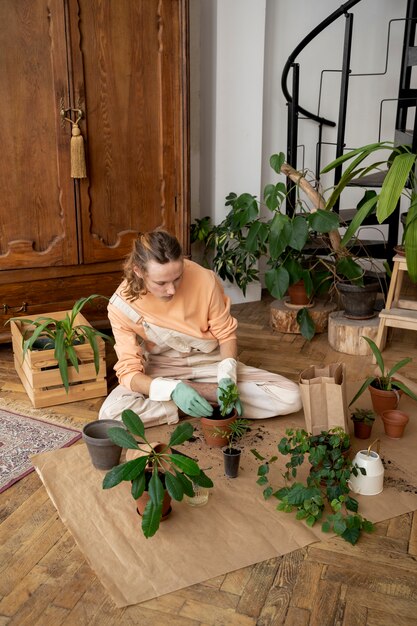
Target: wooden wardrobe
<point>122,66</point>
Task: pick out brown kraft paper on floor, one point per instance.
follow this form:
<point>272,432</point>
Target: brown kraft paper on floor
<point>235,529</point>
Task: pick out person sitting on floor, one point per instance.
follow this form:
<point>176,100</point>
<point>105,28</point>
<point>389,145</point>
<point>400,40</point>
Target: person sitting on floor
<point>175,340</point>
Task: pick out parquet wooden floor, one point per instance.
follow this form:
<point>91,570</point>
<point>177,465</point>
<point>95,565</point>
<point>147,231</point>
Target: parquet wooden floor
<point>45,580</point>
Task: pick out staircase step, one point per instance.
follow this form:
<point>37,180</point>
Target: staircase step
<point>403,137</point>
<point>347,215</point>
<point>412,56</point>
<point>371,180</point>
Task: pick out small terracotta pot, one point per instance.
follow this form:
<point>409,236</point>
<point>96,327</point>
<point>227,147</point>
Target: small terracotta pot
<point>383,400</point>
<point>298,294</point>
<point>362,430</point>
<point>211,425</point>
<point>394,423</point>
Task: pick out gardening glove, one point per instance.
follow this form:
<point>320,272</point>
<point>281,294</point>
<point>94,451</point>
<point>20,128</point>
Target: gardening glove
<point>185,397</point>
<point>189,400</point>
<point>227,377</point>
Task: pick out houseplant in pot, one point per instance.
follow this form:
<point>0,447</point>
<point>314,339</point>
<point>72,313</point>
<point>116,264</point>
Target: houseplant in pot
<point>325,490</point>
<point>158,473</point>
<point>363,420</point>
<point>217,426</point>
<point>232,452</point>
<point>385,390</point>
<point>62,333</point>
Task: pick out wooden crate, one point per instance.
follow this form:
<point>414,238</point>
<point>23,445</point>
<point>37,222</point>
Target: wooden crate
<point>41,377</point>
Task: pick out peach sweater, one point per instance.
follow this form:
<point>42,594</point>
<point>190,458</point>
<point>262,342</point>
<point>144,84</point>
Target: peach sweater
<point>199,309</point>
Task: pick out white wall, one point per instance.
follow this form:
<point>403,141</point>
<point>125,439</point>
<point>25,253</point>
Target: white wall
<point>239,112</point>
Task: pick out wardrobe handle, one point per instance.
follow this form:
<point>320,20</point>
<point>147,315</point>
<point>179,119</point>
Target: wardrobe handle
<point>15,309</point>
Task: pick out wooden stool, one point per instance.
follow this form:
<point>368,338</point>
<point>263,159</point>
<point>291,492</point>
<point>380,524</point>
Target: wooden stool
<point>398,312</point>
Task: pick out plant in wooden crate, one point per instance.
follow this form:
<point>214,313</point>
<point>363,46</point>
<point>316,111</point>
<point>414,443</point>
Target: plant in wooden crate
<point>384,388</point>
<point>325,485</point>
<point>73,340</point>
<point>157,473</point>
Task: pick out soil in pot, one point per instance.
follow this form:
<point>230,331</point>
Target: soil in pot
<point>211,426</point>
<point>359,302</point>
<point>383,400</point>
<point>394,423</point>
<point>103,452</point>
<point>297,293</point>
<point>231,458</point>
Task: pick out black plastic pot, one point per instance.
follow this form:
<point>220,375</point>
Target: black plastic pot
<point>103,452</point>
<point>231,457</point>
<point>359,302</point>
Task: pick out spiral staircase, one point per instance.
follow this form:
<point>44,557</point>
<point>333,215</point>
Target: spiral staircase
<point>404,133</point>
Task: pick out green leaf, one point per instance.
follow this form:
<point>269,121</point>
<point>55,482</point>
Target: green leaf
<point>326,527</point>
<point>323,221</point>
<point>351,535</point>
<point>394,184</point>
<point>398,366</point>
<point>405,389</point>
<point>182,433</point>
<point>263,480</point>
<point>263,469</point>
<point>138,486</point>
<point>203,480</point>
<point>362,213</point>
<point>348,268</point>
<point>277,282</point>
<point>122,438</point>
<point>174,487</point>
<point>306,323</point>
<point>257,455</point>
<point>186,483</point>
<point>299,233</point>
<point>151,518</point>
<point>156,489</point>
<point>133,423</point>
<point>276,161</point>
<point>377,354</point>
<point>267,493</point>
<point>125,471</point>
<point>188,466</point>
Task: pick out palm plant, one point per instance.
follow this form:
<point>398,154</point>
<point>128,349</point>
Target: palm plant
<point>64,334</point>
<point>385,380</point>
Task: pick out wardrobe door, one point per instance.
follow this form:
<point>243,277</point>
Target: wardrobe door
<point>38,225</point>
<point>129,75</point>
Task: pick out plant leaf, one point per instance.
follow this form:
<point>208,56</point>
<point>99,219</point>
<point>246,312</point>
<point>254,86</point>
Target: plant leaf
<point>174,487</point>
<point>151,518</point>
<point>182,433</point>
<point>203,480</point>
<point>277,282</point>
<point>133,423</point>
<point>306,323</point>
<point>156,489</point>
<point>186,465</point>
<point>122,438</point>
<point>138,486</point>
<point>394,184</point>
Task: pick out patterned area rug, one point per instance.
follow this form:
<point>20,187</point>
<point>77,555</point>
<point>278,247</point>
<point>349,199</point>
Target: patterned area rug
<point>21,437</point>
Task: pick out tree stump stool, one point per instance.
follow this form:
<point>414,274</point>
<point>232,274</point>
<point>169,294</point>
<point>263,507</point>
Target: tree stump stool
<point>283,316</point>
<point>345,335</point>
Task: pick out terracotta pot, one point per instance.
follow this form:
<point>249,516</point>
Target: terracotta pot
<point>231,458</point>
<point>362,430</point>
<point>214,423</point>
<point>394,423</point>
<point>143,501</point>
<point>297,293</point>
<point>383,400</point>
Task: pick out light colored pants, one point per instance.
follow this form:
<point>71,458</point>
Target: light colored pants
<point>263,394</point>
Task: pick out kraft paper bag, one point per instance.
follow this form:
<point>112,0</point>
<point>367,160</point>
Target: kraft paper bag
<point>323,392</point>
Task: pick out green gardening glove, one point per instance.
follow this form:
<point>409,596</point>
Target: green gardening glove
<point>227,393</point>
<point>190,402</point>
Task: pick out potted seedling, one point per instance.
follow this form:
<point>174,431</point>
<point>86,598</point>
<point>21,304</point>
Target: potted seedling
<point>363,420</point>
<point>232,451</point>
<point>385,390</point>
<point>222,417</point>
<point>158,473</point>
<point>326,486</point>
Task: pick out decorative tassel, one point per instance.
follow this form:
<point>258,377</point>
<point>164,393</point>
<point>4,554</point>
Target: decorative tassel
<point>78,169</point>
